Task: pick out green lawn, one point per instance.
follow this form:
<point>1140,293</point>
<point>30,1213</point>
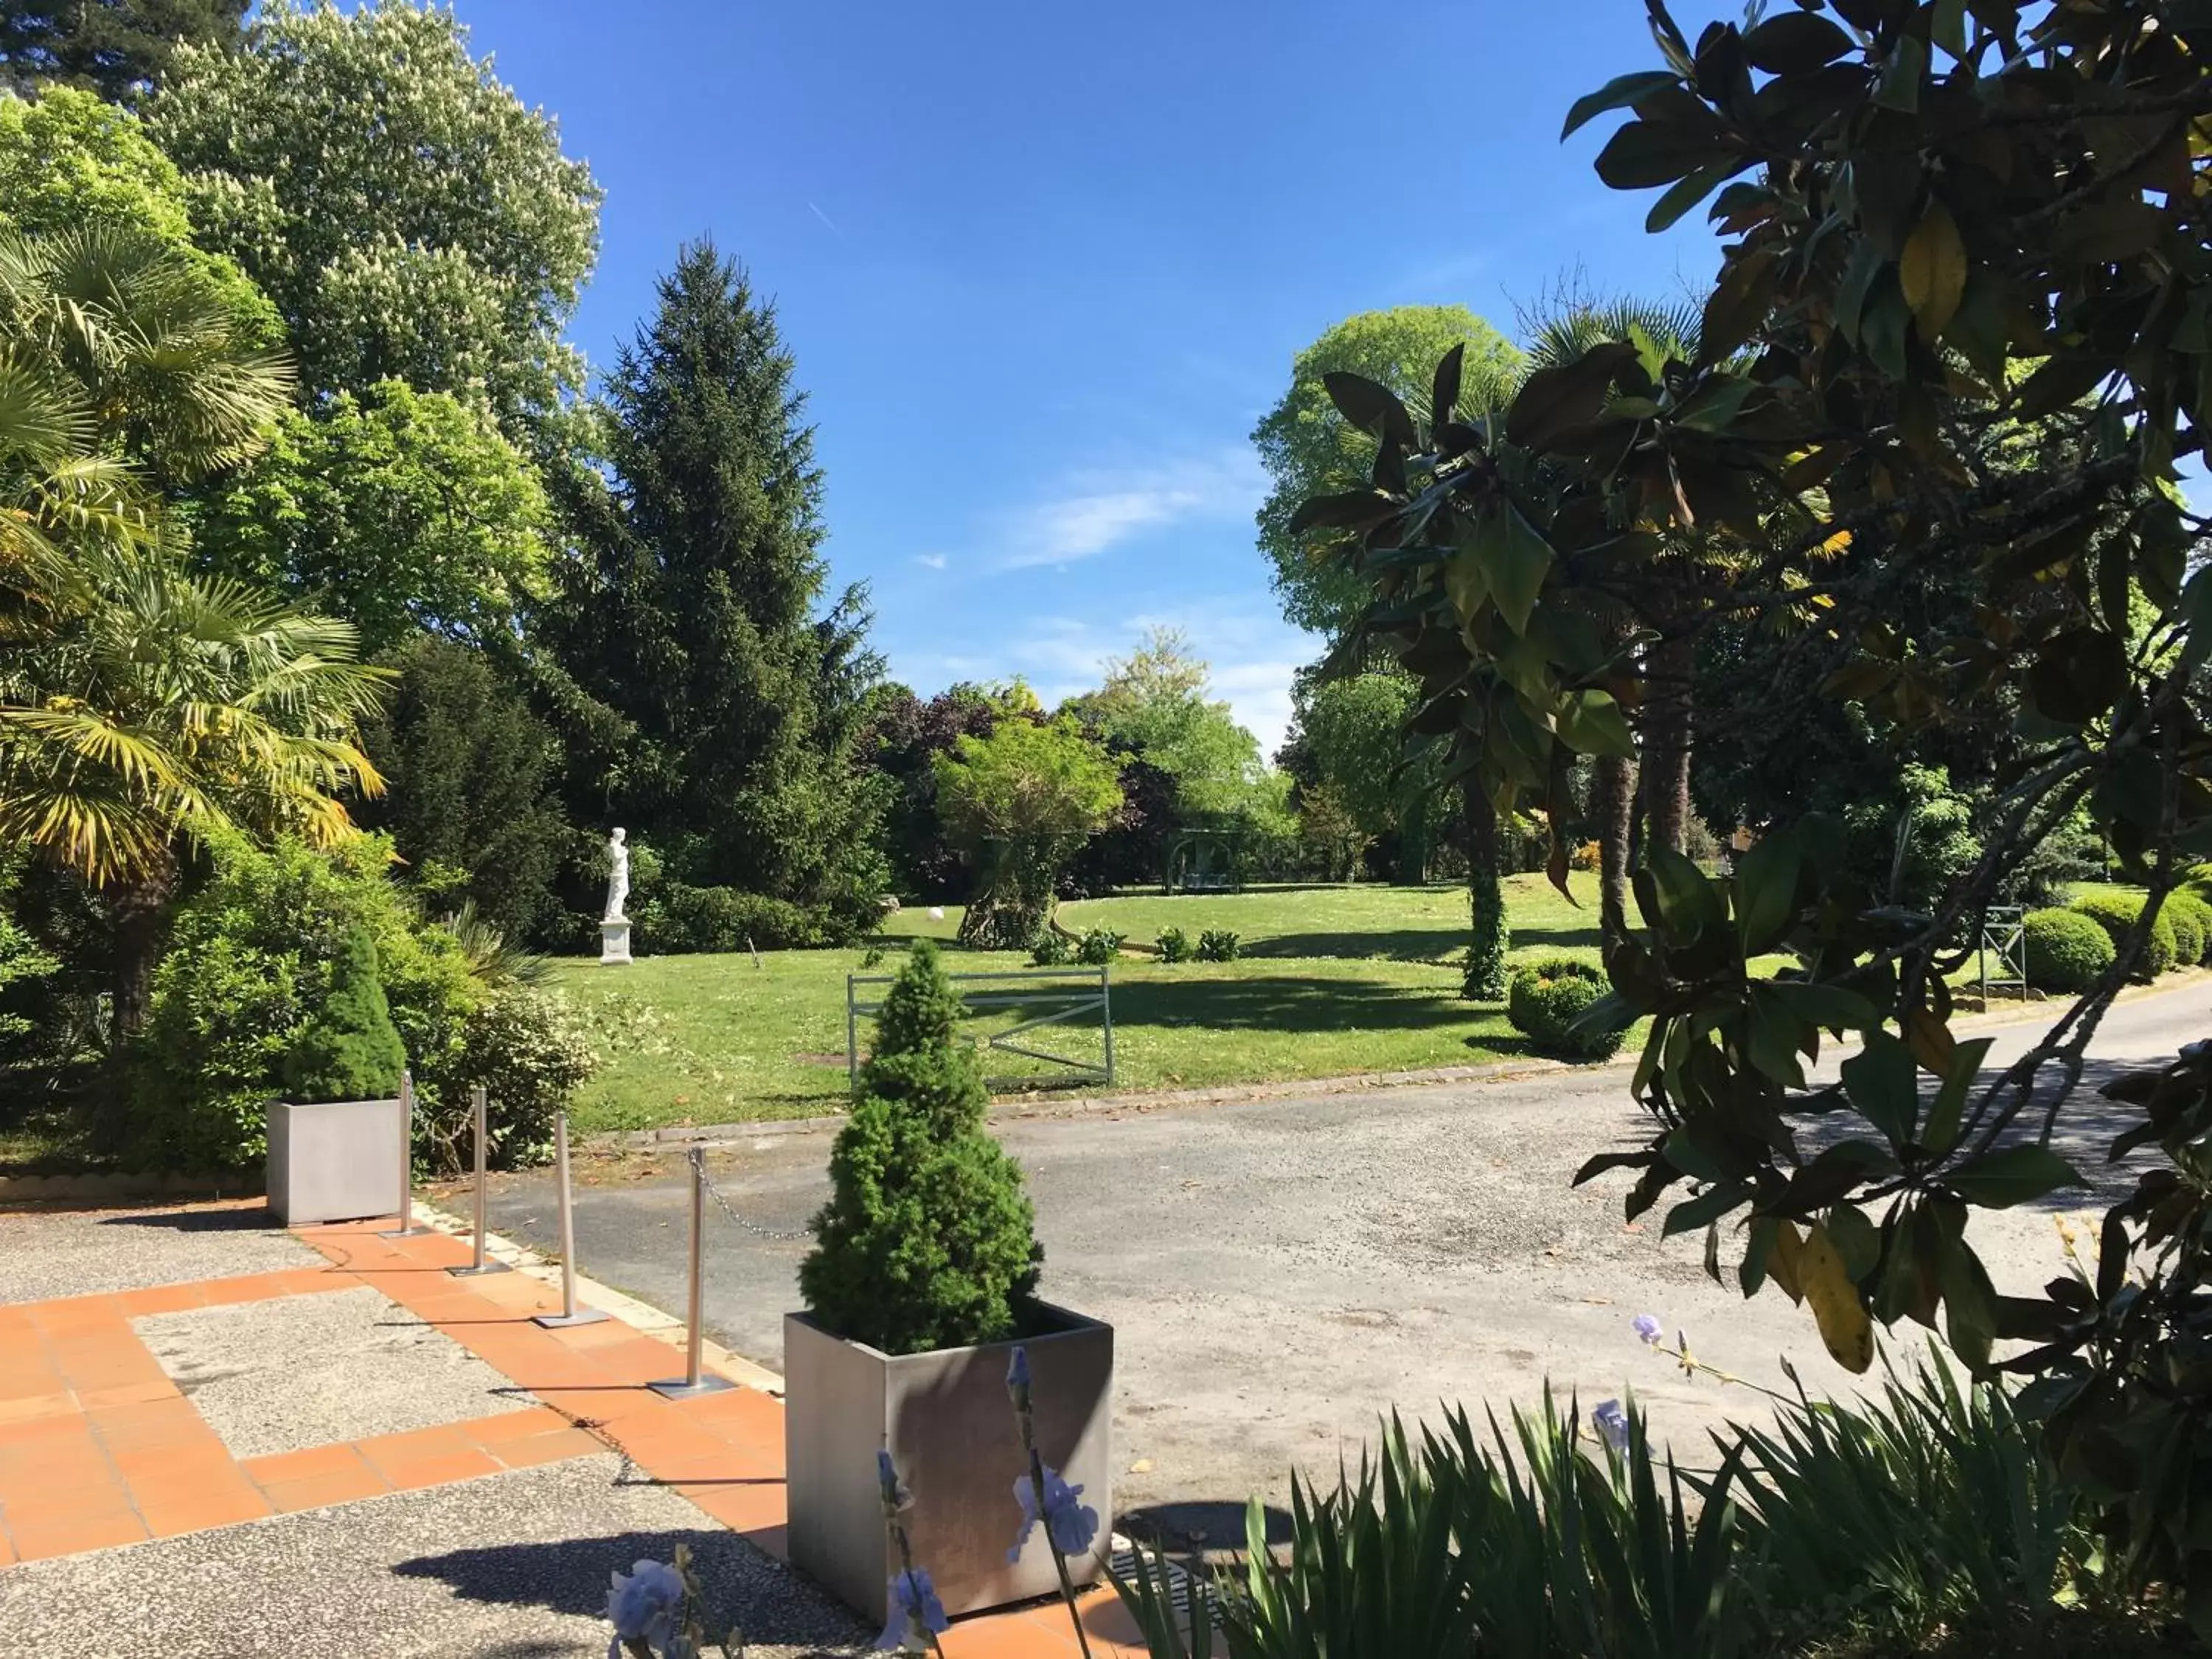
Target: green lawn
<point>1335,981</point>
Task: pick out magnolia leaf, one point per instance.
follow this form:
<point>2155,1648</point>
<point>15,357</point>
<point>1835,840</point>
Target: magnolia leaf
<point>1845,1329</point>
<point>1590,723</point>
<point>1794,43</point>
<point>2013,1175</point>
<point>1883,1084</point>
<point>1373,408</point>
<point>1515,560</point>
<point>1933,270</point>
<point>1620,92</point>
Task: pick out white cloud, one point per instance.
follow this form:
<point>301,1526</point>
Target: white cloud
<point>1097,511</point>
<point>929,561</point>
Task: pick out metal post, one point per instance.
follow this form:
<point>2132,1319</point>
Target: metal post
<point>695,1380</point>
<point>1106,1012</point>
<point>852,1037</point>
<point>570,1314</point>
<point>479,1263</point>
<point>406,1228</point>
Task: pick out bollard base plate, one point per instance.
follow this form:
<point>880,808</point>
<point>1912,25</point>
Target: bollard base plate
<point>677,1388</point>
<point>405,1232</point>
<point>488,1267</point>
<point>564,1321</point>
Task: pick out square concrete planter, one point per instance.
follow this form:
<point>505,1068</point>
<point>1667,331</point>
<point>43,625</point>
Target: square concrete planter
<point>945,1418</point>
<point>338,1162</point>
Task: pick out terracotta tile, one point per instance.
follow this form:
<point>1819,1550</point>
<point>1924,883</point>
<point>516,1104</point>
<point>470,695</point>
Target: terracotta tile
<point>40,1433</point>
<point>126,1394</point>
<point>223,1505</point>
<point>561,1444</point>
<point>161,1298</point>
<point>24,1407</point>
<point>57,1505</point>
<point>745,1417</point>
<point>194,1459</point>
<point>36,1540</point>
<point>442,1470</point>
<point>80,1314</point>
<point>741,1506</point>
<point>601,1405</point>
<point>414,1445</point>
<point>605,1333</point>
<point>7,1551</point>
<point>512,1426</point>
<point>153,1423</point>
<point>338,1486</point>
<point>280,1467</point>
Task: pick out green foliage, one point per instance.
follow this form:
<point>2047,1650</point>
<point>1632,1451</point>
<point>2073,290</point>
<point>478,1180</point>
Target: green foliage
<point>1019,803</point>
<point>1154,705</point>
<point>528,1052</point>
<point>2192,917</point>
<point>928,1239</point>
<point>251,962</point>
<point>469,799</point>
<point>1931,1508</point>
<point>1175,945</point>
<point>26,968</point>
<point>1353,729</point>
<point>1053,948</point>
<point>2116,912</point>
<point>679,919</point>
<point>1546,1001</point>
<point>1910,845</point>
<point>348,1049</point>
<point>119,49</point>
<point>1098,946</point>
<point>1309,448</point>
<point>2066,950</point>
<point>689,611</point>
<point>1218,944</point>
<point>410,216</point>
<point>352,506</point>
<point>1521,1544</point>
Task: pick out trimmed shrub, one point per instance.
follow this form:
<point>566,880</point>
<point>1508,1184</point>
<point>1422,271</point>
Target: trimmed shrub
<point>1052,949</point>
<point>1098,946</point>
<point>1548,995</point>
<point>349,1050</point>
<point>22,964</point>
<point>681,920</point>
<point>527,1050</point>
<point>928,1240</point>
<point>2116,914</point>
<point>1175,945</point>
<point>1219,945</point>
<point>2192,926</point>
<point>2066,949</point>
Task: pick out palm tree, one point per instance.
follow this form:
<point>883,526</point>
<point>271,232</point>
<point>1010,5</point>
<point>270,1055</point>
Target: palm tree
<point>140,702</point>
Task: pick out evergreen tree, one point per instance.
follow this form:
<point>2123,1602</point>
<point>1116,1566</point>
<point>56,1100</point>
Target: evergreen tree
<point>117,48</point>
<point>350,1050</point>
<point>928,1239</point>
<point>691,607</point>
<point>469,775</point>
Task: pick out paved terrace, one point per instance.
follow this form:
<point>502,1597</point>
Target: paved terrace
<point>220,1438</point>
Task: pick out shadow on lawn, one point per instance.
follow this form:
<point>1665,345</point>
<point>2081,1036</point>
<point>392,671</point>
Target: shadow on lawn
<point>1398,943</point>
<point>1288,1004</point>
<point>771,1606</point>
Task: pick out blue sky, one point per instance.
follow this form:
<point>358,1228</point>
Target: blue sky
<point>1044,266</point>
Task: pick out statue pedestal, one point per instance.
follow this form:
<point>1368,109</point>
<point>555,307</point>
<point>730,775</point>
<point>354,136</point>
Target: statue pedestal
<point>614,941</point>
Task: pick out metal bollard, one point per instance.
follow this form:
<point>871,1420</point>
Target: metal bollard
<point>479,1263</point>
<point>570,1314</point>
<point>695,1380</point>
<point>406,1228</point>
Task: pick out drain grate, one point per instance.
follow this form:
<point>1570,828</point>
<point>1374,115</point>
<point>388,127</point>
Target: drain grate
<point>1122,1562</point>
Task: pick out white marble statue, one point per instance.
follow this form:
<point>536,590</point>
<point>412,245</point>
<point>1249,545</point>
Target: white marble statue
<point>617,877</point>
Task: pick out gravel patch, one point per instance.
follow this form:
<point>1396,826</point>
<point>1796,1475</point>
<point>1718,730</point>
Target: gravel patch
<point>46,1253</point>
<point>512,1567</point>
<point>306,1371</point>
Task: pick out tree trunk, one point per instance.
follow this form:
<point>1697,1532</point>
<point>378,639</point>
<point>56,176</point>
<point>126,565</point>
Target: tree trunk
<point>1485,979</point>
<point>1613,787</point>
<point>138,911</point>
<point>1666,745</point>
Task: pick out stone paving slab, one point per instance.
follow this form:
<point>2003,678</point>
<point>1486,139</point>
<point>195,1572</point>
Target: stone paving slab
<point>513,1566</point>
<point>48,1253</point>
<point>299,1371</point>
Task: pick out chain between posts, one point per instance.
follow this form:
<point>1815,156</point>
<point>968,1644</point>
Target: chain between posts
<point>730,1210</point>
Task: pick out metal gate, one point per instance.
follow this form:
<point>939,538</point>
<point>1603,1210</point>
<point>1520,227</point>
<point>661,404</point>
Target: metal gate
<point>1080,992</point>
<point>2004,946</point>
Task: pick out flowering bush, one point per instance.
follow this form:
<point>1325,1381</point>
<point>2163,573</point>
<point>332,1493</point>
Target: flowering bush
<point>1219,945</point>
<point>1098,946</point>
<point>1175,945</point>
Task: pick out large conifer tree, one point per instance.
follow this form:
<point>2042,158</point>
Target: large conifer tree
<point>117,48</point>
<point>692,606</point>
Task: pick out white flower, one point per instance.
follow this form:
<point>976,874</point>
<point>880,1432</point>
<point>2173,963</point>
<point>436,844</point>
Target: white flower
<point>915,1612</point>
<point>642,1607</point>
<point>937,913</point>
<point>1071,1526</point>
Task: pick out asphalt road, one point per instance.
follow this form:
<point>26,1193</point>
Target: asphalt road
<point>1281,1271</point>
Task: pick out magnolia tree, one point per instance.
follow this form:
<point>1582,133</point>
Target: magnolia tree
<point>1959,325</point>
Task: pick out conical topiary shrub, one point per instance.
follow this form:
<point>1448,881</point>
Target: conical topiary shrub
<point>928,1240</point>
<point>349,1049</point>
